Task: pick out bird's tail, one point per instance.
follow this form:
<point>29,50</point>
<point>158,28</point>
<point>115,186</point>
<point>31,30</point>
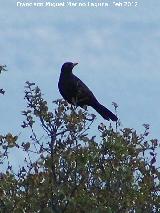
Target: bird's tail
<point>104,112</point>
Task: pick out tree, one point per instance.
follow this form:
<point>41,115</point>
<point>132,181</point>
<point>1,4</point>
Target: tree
<point>70,169</point>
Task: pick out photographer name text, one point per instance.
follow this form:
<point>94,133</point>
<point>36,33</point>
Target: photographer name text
<point>77,4</point>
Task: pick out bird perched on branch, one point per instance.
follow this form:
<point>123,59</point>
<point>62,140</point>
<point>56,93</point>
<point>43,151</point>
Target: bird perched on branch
<point>77,93</point>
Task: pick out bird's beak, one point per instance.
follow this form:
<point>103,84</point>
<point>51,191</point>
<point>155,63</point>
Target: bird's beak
<point>74,64</point>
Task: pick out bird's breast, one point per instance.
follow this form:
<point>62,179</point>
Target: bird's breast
<point>66,89</point>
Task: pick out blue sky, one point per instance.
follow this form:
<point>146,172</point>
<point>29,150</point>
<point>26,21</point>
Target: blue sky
<point>117,50</point>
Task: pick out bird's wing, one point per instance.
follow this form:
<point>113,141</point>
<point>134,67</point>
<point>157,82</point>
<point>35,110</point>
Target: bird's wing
<point>83,93</point>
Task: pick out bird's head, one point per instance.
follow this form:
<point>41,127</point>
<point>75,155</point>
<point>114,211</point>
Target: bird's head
<point>68,66</point>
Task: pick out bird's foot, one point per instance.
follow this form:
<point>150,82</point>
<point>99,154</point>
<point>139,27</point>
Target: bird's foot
<point>84,107</point>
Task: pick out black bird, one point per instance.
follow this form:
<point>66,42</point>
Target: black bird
<point>77,93</point>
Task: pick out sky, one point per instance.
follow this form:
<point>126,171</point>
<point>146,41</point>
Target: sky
<point>117,49</point>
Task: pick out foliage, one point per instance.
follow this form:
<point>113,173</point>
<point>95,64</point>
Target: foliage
<point>68,169</point>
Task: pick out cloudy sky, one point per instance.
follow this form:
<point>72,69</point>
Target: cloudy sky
<point>117,49</point>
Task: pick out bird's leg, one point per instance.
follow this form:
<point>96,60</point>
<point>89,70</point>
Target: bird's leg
<point>74,101</point>
<point>84,107</point>
<point>73,107</point>
<point>82,100</point>
<point>77,102</point>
